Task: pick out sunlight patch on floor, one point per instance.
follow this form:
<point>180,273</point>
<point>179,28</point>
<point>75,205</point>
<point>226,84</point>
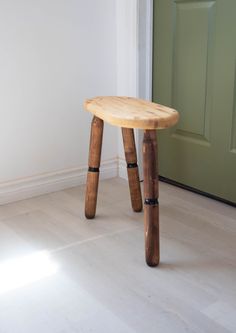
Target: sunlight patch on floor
<point>19,272</point>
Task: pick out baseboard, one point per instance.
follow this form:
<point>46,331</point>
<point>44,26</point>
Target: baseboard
<point>52,182</point>
<point>122,169</point>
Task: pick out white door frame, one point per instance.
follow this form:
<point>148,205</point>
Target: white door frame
<point>144,51</point>
<point>145,35</point>
<point>134,60</point>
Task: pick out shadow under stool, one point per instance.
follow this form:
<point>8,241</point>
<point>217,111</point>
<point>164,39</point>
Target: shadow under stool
<point>129,113</point>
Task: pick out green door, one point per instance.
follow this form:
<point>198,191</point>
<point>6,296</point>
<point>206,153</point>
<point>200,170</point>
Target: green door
<point>194,70</point>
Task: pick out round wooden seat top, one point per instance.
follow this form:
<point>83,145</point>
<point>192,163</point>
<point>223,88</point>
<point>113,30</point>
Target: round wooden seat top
<point>132,112</point>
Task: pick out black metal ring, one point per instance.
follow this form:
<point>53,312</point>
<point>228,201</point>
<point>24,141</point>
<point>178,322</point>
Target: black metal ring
<point>91,169</point>
<point>151,202</point>
<point>132,165</point>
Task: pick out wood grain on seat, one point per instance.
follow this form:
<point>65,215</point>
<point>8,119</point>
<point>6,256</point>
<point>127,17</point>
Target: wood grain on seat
<point>132,112</point>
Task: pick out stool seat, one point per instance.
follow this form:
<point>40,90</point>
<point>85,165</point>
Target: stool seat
<point>131,112</point>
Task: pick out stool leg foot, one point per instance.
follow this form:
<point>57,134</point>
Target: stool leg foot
<point>151,208</point>
<point>132,169</point>
<point>93,170</point>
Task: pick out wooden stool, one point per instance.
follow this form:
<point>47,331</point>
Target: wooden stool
<point>129,113</point>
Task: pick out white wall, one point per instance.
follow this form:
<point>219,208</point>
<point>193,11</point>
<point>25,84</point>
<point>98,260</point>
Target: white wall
<point>54,54</point>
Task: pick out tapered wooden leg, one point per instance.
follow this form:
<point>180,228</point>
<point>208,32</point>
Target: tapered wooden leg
<point>151,208</point>
<point>93,170</point>
<point>132,169</point>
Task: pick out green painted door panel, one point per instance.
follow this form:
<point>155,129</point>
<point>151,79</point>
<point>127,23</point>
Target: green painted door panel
<point>194,71</point>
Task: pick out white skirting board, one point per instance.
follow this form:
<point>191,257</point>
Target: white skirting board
<point>51,182</point>
<point>122,169</point>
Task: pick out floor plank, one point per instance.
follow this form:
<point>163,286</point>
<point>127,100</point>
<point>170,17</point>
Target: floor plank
<point>101,283</point>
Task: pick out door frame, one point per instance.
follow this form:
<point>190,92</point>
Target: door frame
<point>145,57</point>
<point>134,61</point>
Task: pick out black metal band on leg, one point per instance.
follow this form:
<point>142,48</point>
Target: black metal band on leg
<point>91,169</point>
<point>132,165</point>
<point>151,202</point>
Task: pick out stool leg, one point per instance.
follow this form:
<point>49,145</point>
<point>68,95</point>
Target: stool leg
<point>93,170</point>
<point>151,208</point>
<point>132,169</point>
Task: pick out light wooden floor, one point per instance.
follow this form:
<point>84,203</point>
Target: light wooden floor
<point>100,282</point>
